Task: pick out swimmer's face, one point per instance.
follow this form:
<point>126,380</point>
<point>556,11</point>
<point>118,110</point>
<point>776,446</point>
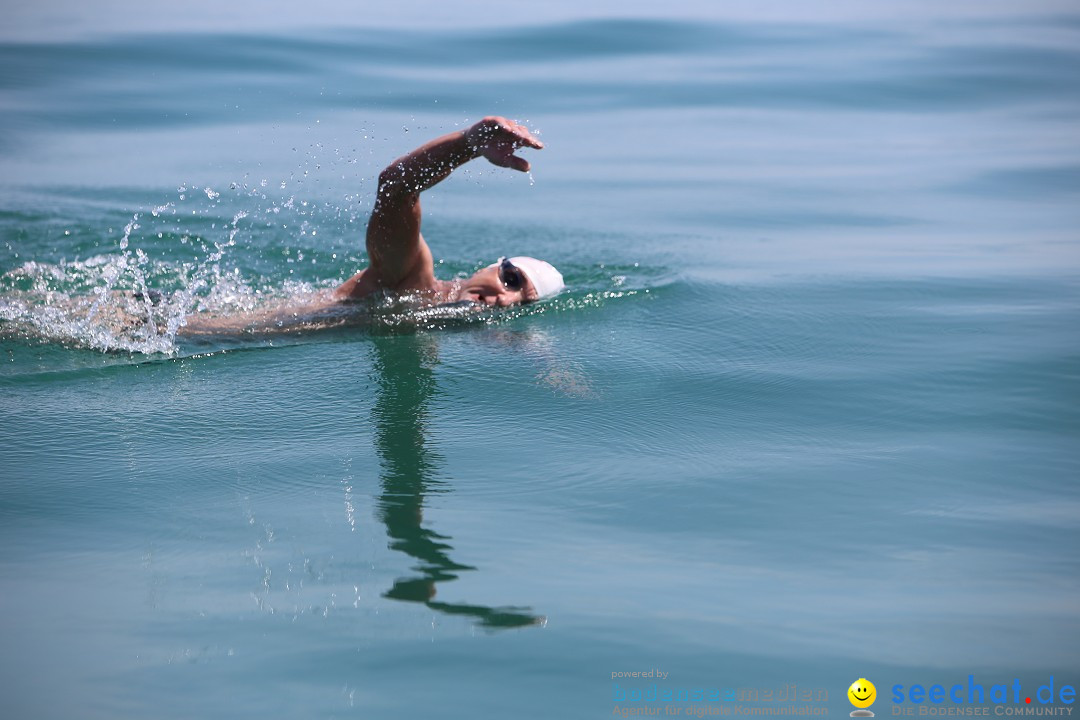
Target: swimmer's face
<point>498,286</point>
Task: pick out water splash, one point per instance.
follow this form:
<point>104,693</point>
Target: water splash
<point>123,311</point>
<point>217,269</point>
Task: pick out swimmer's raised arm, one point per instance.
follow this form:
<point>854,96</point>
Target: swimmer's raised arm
<point>399,257</point>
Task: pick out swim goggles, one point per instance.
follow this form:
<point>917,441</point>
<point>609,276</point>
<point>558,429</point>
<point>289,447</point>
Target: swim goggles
<point>510,275</point>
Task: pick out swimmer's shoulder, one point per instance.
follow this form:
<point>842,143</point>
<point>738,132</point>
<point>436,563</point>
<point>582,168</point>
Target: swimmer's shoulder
<point>366,284</point>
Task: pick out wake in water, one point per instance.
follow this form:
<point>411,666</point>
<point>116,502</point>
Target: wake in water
<point>119,312</point>
<point>106,302</point>
<point>172,288</point>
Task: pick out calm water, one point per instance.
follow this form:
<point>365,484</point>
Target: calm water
<point>808,411</point>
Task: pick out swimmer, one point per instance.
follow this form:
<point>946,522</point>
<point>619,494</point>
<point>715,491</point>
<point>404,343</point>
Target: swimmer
<point>400,266</point>
<point>400,260</point>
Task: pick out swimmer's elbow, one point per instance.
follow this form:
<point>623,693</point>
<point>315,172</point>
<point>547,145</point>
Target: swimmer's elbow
<point>394,184</point>
<point>390,176</point>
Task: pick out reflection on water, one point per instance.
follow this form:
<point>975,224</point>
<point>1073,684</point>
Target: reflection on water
<point>404,368</point>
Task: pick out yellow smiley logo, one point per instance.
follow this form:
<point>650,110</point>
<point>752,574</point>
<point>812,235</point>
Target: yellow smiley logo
<point>862,693</point>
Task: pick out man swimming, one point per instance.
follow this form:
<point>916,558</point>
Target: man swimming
<point>400,262</point>
<point>399,259</point>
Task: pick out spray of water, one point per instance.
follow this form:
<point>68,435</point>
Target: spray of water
<point>122,312</point>
<point>183,272</point>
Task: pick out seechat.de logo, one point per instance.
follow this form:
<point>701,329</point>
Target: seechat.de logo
<point>1002,698</point>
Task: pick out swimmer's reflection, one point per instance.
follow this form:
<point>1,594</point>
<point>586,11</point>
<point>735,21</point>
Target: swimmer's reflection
<point>404,373</point>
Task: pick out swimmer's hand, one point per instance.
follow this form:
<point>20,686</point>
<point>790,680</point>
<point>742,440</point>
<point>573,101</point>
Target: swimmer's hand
<point>496,138</point>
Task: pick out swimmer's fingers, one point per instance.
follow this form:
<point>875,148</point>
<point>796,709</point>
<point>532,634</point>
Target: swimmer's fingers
<point>522,136</point>
<point>518,163</point>
<point>503,156</point>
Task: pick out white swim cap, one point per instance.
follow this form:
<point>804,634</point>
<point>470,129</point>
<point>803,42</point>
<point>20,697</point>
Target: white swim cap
<point>545,278</point>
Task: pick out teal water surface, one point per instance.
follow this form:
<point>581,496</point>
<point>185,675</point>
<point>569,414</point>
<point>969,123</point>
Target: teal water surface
<point>806,413</point>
